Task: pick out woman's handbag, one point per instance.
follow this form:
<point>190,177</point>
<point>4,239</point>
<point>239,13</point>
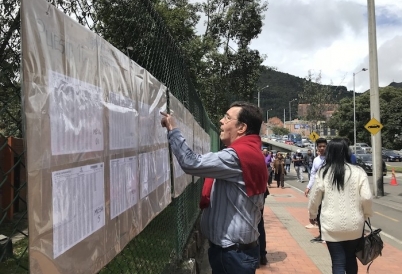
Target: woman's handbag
<point>370,246</point>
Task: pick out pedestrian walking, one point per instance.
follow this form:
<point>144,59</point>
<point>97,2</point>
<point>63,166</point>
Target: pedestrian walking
<point>279,170</point>
<point>343,191</point>
<point>262,240</point>
<point>321,144</point>
<point>261,228</point>
<point>308,162</point>
<point>298,165</point>
<point>268,163</point>
<point>236,192</point>
<point>288,161</point>
<point>270,168</point>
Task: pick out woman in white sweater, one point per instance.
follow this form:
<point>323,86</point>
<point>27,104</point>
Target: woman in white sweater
<point>344,193</point>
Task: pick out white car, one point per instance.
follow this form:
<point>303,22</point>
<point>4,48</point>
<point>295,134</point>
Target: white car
<point>307,143</point>
<point>364,146</point>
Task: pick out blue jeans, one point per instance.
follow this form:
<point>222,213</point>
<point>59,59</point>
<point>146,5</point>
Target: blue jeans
<point>262,238</point>
<point>224,261</point>
<point>299,172</point>
<point>308,168</point>
<point>343,256</point>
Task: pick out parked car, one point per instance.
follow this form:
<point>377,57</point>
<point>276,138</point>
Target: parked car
<point>359,150</point>
<point>307,143</point>
<point>288,142</point>
<point>299,144</point>
<point>364,146</point>
<point>366,162</point>
<point>390,156</point>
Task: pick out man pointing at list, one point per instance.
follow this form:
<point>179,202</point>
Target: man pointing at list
<point>233,195</point>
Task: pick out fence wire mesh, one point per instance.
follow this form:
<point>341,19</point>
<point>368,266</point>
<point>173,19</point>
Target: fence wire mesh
<point>135,28</point>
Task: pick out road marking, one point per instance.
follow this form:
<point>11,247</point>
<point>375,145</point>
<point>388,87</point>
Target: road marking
<point>395,220</point>
<point>388,236</point>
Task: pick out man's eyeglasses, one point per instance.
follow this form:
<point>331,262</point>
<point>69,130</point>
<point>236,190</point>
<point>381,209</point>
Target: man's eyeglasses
<point>227,118</point>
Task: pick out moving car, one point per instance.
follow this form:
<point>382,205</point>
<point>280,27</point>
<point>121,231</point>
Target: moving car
<point>366,162</point>
<point>390,156</point>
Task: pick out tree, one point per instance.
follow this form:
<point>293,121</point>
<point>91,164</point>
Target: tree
<point>280,130</point>
<point>390,109</point>
<point>10,55</point>
<point>233,68</point>
<point>275,121</point>
<point>317,96</point>
<point>181,19</point>
<point>217,65</point>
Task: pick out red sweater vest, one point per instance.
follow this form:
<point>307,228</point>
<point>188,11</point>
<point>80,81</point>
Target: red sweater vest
<point>252,163</point>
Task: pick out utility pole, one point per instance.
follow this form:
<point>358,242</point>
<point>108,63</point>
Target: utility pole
<point>374,100</point>
<point>128,53</point>
<point>258,96</point>
<point>290,108</point>
<point>267,113</point>
<point>267,119</point>
<point>284,117</point>
<point>354,108</point>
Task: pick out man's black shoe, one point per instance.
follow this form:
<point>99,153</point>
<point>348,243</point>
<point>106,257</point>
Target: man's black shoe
<point>263,260</point>
<point>316,240</point>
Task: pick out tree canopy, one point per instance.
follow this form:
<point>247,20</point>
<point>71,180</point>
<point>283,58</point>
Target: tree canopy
<point>390,113</point>
<point>280,130</point>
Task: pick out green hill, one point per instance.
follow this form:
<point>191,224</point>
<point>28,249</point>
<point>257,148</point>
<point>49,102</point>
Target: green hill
<point>284,87</point>
<point>396,85</point>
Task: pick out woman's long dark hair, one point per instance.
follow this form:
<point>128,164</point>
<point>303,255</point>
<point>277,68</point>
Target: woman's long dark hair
<point>337,154</point>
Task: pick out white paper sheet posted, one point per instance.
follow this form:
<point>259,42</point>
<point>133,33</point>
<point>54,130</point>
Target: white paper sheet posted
<point>76,111</point>
<point>123,122</point>
<point>123,185</point>
<point>78,205</point>
<point>154,171</point>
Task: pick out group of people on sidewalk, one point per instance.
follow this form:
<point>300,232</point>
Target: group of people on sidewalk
<point>278,165</point>
<point>235,188</point>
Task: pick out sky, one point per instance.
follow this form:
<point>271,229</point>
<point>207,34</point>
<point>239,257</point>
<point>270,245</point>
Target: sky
<point>331,36</point>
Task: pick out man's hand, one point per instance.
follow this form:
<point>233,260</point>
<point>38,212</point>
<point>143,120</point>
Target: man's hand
<point>306,192</point>
<point>168,121</point>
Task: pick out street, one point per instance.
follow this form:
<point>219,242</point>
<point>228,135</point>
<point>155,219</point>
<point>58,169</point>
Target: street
<point>387,209</point>
<point>391,164</point>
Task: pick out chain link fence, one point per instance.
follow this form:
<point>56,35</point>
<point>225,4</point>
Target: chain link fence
<point>135,28</point>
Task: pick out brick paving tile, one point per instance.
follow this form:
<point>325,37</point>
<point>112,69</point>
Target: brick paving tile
<point>285,254</point>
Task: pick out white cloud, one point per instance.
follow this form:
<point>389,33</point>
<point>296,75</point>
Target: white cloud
<point>332,36</point>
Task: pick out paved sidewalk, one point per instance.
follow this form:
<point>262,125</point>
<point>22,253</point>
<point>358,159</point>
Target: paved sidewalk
<point>288,241</point>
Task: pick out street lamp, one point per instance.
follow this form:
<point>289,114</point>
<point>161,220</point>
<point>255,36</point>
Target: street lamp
<point>258,98</point>
<point>290,109</point>
<point>354,108</point>
<point>267,119</point>
<point>128,53</point>
<point>267,113</point>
